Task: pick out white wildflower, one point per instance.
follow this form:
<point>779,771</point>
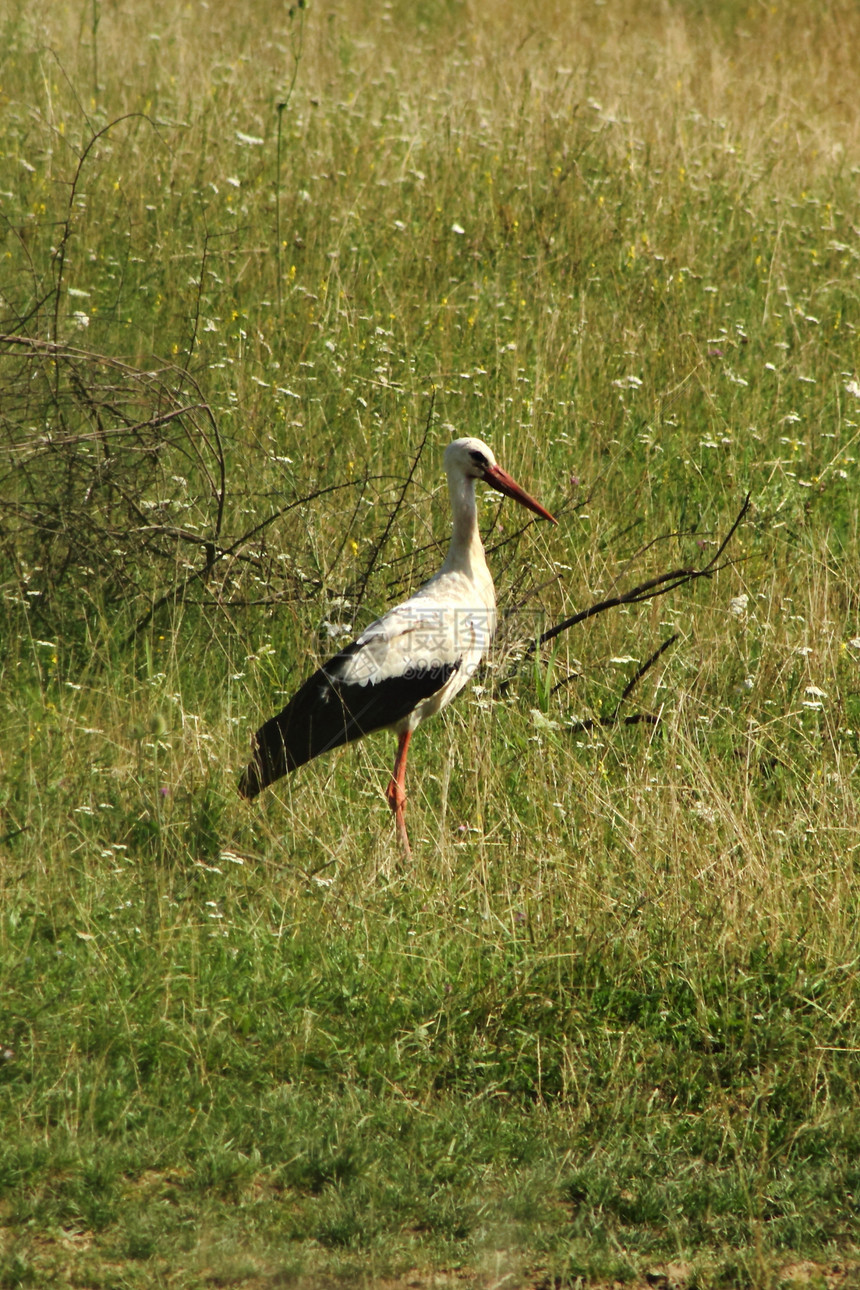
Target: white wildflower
<point>542,722</point>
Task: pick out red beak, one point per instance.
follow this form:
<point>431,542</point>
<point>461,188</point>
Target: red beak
<point>505,483</point>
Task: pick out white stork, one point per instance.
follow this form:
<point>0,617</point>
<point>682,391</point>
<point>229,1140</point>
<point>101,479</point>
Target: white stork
<point>408,664</point>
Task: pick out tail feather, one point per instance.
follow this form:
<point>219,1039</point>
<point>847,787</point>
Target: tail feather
<point>315,720</point>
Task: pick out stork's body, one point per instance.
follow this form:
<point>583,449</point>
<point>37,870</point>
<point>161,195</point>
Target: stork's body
<point>408,664</point>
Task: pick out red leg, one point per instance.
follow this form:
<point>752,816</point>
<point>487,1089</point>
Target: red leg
<point>396,793</point>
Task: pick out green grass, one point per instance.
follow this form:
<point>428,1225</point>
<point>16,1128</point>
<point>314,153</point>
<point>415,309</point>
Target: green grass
<point>604,1027</point>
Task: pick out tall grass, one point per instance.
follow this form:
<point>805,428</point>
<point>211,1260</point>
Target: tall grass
<point>255,268</point>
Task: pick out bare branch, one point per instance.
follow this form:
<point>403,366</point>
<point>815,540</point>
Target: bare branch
<point>374,555</point>
<point>660,585</point>
<point>646,667</point>
<point>179,588</point>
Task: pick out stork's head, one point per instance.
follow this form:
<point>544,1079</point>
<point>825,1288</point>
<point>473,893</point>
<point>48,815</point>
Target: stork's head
<point>472,459</point>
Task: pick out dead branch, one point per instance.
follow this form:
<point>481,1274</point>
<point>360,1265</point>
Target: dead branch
<point>660,585</point>
<point>177,591</point>
<point>379,546</point>
<point>613,719</point>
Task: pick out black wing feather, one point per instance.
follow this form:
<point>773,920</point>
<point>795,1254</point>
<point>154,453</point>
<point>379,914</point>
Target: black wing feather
<point>327,711</point>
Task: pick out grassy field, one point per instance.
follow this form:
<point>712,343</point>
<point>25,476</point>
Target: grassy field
<point>255,270</point>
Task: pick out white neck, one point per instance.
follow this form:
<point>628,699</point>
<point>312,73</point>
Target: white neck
<point>466,551</point>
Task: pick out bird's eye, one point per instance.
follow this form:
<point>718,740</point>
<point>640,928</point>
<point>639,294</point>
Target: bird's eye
<point>478,458</point>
